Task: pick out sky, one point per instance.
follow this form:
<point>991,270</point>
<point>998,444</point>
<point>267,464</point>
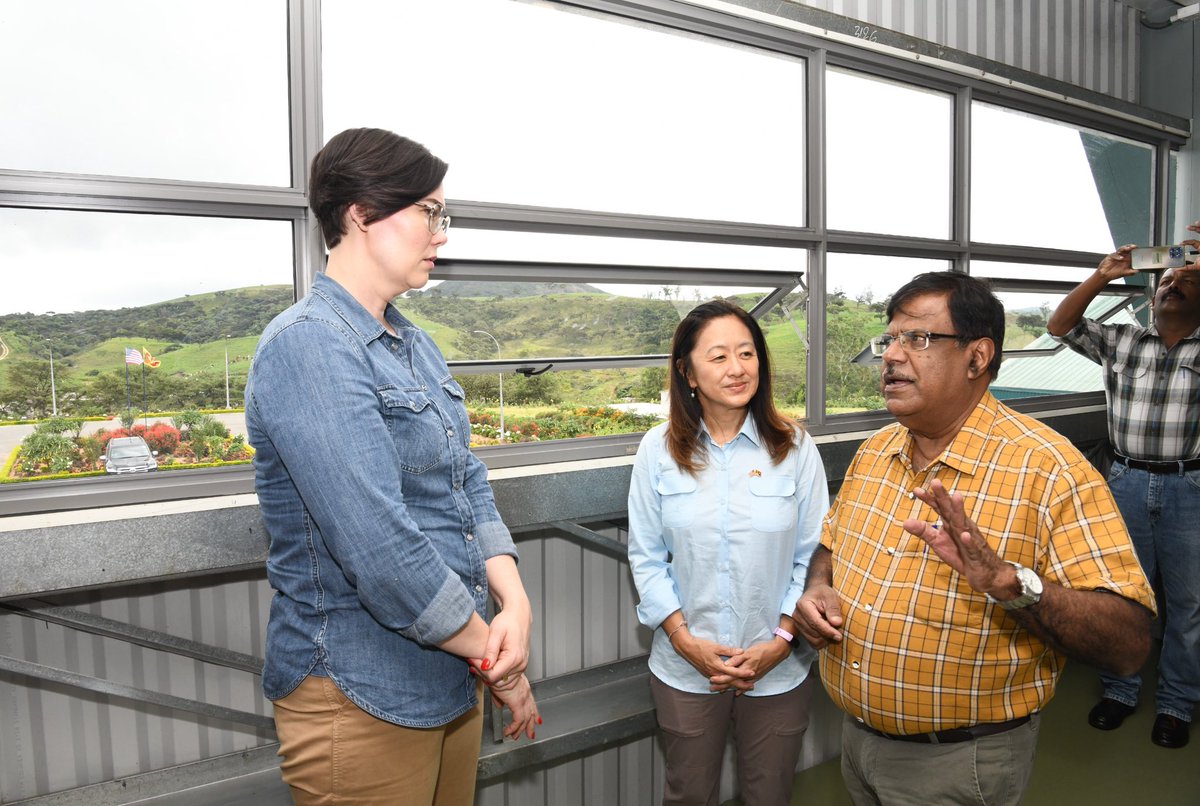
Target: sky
<point>677,125</point>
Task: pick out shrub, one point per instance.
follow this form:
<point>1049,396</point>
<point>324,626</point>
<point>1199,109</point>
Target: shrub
<point>209,426</point>
<point>53,451</point>
<point>128,418</point>
<point>162,438</point>
<point>186,420</point>
<point>61,425</point>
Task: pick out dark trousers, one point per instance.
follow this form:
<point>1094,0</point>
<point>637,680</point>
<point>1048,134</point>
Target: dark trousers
<point>767,732</point>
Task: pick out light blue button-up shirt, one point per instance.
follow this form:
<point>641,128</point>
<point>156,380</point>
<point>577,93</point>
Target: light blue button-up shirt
<point>729,547</point>
<point>381,519</point>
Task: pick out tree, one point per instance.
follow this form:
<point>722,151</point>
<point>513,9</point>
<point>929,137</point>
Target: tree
<point>27,392</point>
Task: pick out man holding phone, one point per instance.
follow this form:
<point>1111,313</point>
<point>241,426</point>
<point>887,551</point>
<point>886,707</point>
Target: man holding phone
<point>1152,381</point>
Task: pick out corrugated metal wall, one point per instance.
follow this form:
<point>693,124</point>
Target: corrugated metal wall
<point>1089,43</point>
<point>55,737</point>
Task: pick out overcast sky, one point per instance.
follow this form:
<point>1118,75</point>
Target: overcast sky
<point>675,126</point>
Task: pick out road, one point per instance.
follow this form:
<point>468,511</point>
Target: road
<point>11,435</point>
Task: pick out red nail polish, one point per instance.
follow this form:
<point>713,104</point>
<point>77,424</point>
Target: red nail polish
<point>539,720</point>
<point>487,664</point>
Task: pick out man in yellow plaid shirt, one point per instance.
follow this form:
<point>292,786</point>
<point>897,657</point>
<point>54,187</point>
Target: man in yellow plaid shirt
<point>969,551</point>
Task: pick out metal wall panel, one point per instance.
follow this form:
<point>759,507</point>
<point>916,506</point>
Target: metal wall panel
<point>1084,42</point>
<point>56,737</point>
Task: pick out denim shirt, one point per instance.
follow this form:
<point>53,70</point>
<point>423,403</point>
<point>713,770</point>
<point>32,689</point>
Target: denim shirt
<point>380,518</point>
<point>729,547</point>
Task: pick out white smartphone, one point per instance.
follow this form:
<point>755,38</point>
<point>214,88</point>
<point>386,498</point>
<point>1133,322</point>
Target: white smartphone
<point>1158,258</point>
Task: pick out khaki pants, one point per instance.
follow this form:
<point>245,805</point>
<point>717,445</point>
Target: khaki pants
<point>767,732</point>
<point>994,769</point>
<point>334,752</point>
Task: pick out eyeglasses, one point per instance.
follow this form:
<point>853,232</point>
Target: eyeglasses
<point>910,340</point>
<point>438,220</point>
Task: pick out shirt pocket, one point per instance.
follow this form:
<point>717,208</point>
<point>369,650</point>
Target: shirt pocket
<point>1130,371</point>
<point>773,506</point>
<point>415,426</point>
<point>677,491</point>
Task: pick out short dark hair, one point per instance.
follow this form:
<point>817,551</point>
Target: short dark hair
<point>683,431</point>
<point>974,310</point>
<point>374,168</point>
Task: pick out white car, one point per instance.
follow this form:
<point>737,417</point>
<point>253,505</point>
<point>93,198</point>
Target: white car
<point>129,455</point>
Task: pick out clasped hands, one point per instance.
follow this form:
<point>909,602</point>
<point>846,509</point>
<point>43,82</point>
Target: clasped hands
<point>956,541</point>
<point>502,669</point>
<point>730,667</point>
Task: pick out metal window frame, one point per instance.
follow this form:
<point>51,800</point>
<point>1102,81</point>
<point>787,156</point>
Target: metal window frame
<point>822,39</point>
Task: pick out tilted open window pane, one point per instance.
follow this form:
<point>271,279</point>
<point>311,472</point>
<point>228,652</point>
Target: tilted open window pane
<point>142,88</point>
<point>575,110</point>
<point>108,317</point>
<point>565,338</point>
<point>1038,182</point>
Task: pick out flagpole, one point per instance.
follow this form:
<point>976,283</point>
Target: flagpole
<point>128,398</point>
<point>145,417</point>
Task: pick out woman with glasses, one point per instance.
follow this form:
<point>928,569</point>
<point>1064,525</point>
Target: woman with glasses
<point>725,509</point>
<point>385,539</point>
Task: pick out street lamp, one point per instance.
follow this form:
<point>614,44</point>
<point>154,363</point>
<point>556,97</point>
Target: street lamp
<point>227,371</point>
<point>499,375</point>
<point>53,392</point>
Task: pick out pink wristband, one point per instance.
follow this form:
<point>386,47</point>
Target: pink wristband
<point>784,634</point>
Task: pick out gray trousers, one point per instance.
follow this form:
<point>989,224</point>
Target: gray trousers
<point>993,770</point>
<point>767,732</point>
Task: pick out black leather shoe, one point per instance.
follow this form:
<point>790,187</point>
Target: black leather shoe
<point>1109,714</point>
<point>1169,731</point>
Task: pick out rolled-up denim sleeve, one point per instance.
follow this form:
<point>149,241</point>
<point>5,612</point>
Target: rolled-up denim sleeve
<point>648,551</point>
<point>491,531</point>
<point>317,403</point>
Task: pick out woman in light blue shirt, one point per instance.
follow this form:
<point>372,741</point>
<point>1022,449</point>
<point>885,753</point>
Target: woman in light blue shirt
<point>725,509</point>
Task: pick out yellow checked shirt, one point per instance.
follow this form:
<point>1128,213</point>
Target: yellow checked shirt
<point>922,651</point>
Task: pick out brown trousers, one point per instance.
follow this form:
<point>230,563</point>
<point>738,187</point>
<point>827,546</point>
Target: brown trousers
<point>767,733</point>
<point>334,752</point>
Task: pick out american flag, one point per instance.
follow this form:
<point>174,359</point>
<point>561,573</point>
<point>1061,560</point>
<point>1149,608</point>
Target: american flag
<point>133,356</point>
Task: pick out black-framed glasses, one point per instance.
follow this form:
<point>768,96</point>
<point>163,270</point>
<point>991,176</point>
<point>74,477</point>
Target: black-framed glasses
<point>438,220</point>
<point>913,340</point>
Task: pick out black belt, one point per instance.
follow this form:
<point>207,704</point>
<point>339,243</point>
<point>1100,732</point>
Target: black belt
<point>950,735</point>
<point>1181,466</point>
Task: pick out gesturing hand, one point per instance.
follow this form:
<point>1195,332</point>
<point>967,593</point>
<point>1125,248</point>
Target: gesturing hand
<point>957,541</point>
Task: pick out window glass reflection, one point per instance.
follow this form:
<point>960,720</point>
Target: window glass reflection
<point>1037,182</point>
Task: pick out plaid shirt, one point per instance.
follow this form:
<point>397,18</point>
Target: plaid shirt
<point>922,651</point>
<point>1153,393</point>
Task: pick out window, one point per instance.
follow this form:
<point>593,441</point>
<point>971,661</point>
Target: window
<point>122,320</point>
<point>1038,182</point>
<point>575,110</point>
<point>141,88</point>
<point>857,292</point>
<point>889,156</point>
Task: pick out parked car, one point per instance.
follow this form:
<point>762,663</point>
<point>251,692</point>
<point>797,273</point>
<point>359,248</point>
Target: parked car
<point>129,455</point>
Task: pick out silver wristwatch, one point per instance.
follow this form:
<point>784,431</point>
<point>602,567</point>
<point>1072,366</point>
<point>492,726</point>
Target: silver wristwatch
<point>1031,589</point>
